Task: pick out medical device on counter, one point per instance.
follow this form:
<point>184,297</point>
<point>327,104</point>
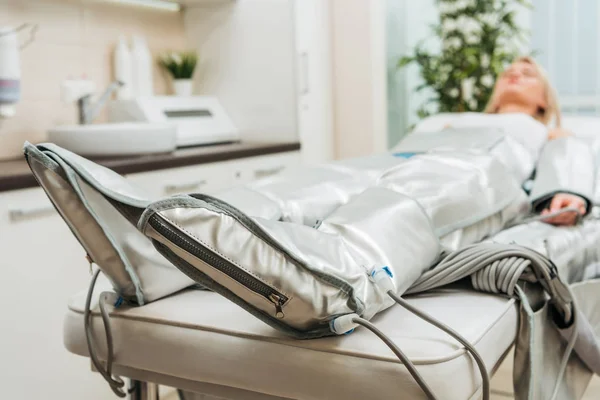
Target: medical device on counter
<point>200,120</point>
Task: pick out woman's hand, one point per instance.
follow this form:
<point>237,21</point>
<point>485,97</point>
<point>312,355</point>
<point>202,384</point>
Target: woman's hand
<point>561,201</point>
<point>556,133</point>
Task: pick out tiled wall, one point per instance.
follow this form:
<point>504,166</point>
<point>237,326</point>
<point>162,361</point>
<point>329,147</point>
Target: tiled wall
<point>75,38</point>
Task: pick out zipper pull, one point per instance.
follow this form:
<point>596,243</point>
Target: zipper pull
<point>89,259</point>
<point>278,301</point>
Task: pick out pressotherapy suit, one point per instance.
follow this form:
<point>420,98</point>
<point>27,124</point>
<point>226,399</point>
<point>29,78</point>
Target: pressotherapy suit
<point>300,249</point>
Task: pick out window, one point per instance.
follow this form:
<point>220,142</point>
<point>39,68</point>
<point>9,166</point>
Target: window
<point>565,36</point>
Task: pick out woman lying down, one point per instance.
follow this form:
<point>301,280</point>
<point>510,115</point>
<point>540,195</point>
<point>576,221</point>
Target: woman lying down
<point>467,197</point>
<point>524,104</point>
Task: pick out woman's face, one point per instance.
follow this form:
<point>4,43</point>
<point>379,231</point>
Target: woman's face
<point>520,83</point>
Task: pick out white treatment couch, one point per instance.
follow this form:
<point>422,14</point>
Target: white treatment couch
<point>200,342</point>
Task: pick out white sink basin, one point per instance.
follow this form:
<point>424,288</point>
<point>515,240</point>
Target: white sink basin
<point>127,138</point>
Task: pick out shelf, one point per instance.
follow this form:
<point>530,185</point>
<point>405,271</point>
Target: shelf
<point>166,5</point>
<point>191,3</point>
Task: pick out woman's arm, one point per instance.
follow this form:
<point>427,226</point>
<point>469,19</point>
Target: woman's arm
<point>561,201</point>
<point>565,177</point>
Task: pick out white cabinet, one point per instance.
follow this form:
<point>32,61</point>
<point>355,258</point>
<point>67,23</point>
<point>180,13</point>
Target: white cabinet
<point>42,265</point>
<point>269,64</point>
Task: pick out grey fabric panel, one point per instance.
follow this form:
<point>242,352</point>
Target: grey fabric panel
<point>137,271</point>
<point>157,276</point>
<point>539,350</point>
<point>457,189</point>
<point>587,345</point>
<point>83,225</point>
<point>77,186</point>
<point>565,165</point>
<point>516,154</point>
<point>373,165</point>
<point>517,158</point>
<point>486,227</point>
<point>102,179</point>
<point>588,323</point>
<point>381,227</point>
<point>451,139</point>
<point>307,195</point>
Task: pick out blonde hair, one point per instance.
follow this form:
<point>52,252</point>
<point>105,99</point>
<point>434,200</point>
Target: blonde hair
<point>545,115</point>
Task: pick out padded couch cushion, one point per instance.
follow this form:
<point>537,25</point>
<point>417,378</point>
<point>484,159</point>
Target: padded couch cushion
<point>200,336</point>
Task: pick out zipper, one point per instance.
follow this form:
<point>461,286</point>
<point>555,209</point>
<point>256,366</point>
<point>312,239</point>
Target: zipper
<point>279,302</point>
<point>181,240</point>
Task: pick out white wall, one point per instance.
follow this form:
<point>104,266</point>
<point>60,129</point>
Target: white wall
<point>359,77</point>
<point>247,60</point>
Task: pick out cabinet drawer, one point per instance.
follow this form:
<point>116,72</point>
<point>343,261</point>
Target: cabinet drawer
<point>205,178</point>
<point>21,206</point>
<point>210,178</point>
<point>250,169</point>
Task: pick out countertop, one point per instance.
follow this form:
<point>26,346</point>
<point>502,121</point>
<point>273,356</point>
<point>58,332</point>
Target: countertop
<point>15,174</point>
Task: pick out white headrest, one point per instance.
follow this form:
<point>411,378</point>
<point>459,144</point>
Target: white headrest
<point>584,127</point>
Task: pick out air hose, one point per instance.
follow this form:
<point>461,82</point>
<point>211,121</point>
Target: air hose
<point>493,267</point>
<point>406,361</point>
<point>116,383</point>
<point>403,358</point>
<point>382,278</point>
<point>496,268</point>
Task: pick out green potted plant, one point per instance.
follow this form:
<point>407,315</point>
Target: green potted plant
<point>478,38</point>
<point>181,66</point>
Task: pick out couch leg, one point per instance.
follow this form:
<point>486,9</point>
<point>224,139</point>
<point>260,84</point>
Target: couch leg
<point>144,391</point>
<point>149,391</point>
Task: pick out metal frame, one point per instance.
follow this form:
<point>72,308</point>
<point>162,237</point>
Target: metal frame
<point>144,391</point>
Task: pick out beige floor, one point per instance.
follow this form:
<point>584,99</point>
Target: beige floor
<point>502,383</point>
